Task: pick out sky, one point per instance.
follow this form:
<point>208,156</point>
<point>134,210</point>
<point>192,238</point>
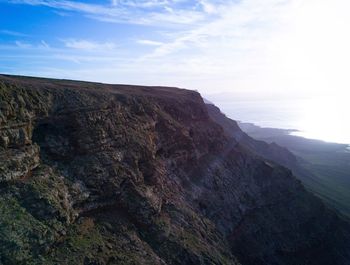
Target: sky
<point>228,50</point>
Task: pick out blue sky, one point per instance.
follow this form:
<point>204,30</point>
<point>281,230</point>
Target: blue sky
<point>273,47</point>
<point>75,39</point>
<point>195,44</point>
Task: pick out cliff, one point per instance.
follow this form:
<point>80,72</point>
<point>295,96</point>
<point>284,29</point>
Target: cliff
<point>114,174</point>
<point>270,151</point>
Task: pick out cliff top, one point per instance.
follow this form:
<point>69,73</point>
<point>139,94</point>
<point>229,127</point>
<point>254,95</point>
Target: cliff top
<point>50,83</point>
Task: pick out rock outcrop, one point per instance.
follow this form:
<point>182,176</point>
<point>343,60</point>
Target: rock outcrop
<point>113,174</point>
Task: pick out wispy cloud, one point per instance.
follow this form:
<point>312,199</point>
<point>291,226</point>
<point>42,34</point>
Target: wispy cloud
<point>160,13</point>
<point>62,13</point>
<point>246,25</point>
<point>150,42</point>
<point>13,33</point>
<point>143,3</point>
<point>208,7</point>
<point>88,45</point>
<point>44,44</point>
<point>23,45</point>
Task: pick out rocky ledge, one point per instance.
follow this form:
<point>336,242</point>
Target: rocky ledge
<point>114,174</point>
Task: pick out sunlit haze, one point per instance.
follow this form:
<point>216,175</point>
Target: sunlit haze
<point>233,52</point>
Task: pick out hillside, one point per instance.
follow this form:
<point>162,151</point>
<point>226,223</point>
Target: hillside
<point>328,163</point>
<point>114,174</point>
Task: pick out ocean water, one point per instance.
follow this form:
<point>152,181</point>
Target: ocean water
<point>325,119</point>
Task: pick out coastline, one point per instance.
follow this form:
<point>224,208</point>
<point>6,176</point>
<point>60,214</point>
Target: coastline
<point>327,164</point>
<point>254,129</point>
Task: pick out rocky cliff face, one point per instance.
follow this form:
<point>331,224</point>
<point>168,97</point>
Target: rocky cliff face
<point>101,174</point>
<point>272,151</point>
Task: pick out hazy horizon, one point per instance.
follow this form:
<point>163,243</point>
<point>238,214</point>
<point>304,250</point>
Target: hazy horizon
<point>267,54</point>
<point>315,117</point>
<point>291,114</point>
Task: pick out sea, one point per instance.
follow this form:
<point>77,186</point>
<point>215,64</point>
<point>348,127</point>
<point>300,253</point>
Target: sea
<point>322,118</point>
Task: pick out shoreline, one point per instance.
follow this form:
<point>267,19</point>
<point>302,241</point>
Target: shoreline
<point>250,128</point>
